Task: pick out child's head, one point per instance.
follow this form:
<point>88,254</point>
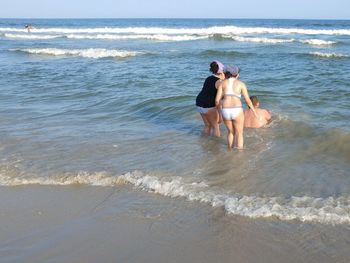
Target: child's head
<point>255,101</point>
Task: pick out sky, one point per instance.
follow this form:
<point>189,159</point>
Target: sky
<point>288,9</point>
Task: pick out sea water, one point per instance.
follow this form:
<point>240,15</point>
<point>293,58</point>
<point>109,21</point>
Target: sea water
<point>109,102</point>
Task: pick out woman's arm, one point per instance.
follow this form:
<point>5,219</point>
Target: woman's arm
<point>218,96</point>
<point>218,99</point>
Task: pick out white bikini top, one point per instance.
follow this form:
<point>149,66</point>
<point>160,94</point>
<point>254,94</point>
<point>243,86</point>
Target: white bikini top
<point>231,93</point>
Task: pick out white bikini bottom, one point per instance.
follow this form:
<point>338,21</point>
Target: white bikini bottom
<point>231,113</point>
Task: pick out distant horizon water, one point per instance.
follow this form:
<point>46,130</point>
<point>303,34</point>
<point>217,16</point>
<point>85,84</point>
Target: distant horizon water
<point>174,18</point>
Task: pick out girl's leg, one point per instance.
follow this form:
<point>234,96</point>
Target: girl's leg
<point>206,130</point>
<point>239,125</point>
<point>213,119</point>
<point>230,133</point>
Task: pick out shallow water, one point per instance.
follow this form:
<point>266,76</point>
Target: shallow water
<point>111,102</point>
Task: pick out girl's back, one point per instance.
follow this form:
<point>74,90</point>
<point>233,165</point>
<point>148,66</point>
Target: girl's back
<point>232,92</point>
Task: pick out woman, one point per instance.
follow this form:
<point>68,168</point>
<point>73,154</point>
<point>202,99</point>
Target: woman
<point>231,90</point>
<point>205,100</point>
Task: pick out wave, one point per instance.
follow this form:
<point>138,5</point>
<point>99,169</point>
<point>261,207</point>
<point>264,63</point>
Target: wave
<point>334,142</point>
<point>261,40</point>
<point>307,209</point>
<point>331,210</point>
<point>328,55</point>
<point>12,29</point>
<point>88,53</point>
<point>169,38</point>
<point>226,53</point>
<point>82,178</point>
<point>171,111</point>
<point>30,36</point>
<point>157,37</point>
<point>193,31</point>
<point>317,42</point>
<point>314,42</point>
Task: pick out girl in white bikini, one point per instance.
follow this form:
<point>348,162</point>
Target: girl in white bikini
<point>231,90</point>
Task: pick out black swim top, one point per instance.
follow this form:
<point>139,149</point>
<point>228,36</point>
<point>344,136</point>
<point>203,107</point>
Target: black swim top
<point>206,98</point>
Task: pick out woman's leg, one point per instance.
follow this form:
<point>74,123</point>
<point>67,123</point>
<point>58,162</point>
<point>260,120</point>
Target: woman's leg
<point>239,125</point>
<point>230,133</point>
<point>206,130</point>
<point>213,118</point>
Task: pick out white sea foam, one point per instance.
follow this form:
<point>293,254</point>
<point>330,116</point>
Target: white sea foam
<point>158,37</point>
<point>167,37</point>
<point>30,36</point>
<point>82,178</point>
<point>88,53</point>
<point>329,210</point>
<point>328,55</point>
<point>198,31</point>
<point>12,29</point>
<point>261,40</point>
<point>284,31</point>
<point>317,42</point>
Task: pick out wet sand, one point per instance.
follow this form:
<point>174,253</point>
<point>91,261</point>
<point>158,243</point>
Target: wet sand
<point>119,224</point>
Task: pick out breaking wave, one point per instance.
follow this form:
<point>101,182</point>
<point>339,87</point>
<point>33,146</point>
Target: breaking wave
<point>88,53</point>
<point>30,36</point>
<point>158,37</point>
<point>155,37</point>
<point>170,38</point>
<point>314,42</point>
<point>261,40</point>
<point>331,210</point>
<point>318,42</point>
<point>199,31</point>
<point>328,55</point>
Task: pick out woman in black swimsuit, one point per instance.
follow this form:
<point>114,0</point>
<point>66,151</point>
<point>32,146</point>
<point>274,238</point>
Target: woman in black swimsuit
<point>205,100</point>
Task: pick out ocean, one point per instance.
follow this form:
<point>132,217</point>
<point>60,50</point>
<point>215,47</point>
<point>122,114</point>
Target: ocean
<point>103,110</point>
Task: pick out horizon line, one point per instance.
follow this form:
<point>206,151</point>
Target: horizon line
<point>178,18</point>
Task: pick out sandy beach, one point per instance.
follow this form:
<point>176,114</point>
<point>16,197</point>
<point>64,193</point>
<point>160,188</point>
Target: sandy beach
<point>99,224</point>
